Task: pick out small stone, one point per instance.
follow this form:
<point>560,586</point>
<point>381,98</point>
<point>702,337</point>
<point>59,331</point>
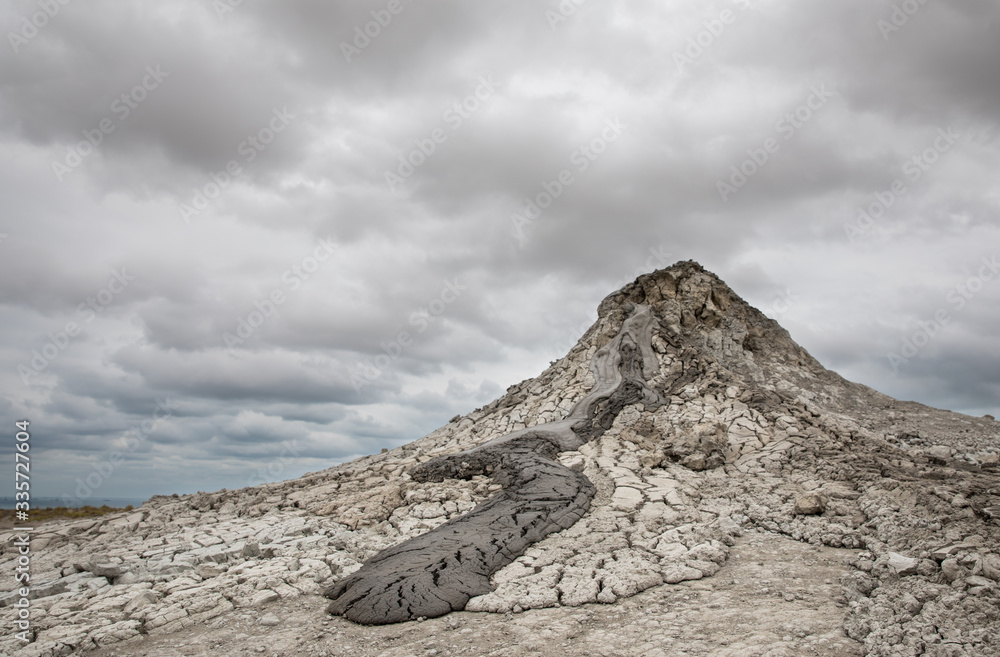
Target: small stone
<point>694,461</point>
<point>109,570</point>
<point>976,580</point>
<point>991,566</point>
<point>942,452</point>
<point>264,597</point>
<point>951,569</point>
<point>207,570</point>
<point>810,504</point>
<point>269,620</point>
<point>902,565</point>
<point>126,579</point>
<point>943,553</point>
<point>575,462</point>
<point>140,600</point>
<point>911,604</point>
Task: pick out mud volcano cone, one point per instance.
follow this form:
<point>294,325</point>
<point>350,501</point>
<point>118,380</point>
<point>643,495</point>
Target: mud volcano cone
<point>681,420</point>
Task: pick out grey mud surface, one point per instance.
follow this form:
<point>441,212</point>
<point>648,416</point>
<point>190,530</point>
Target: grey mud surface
<point>438,572</point>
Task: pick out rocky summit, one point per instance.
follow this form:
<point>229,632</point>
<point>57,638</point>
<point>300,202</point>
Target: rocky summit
<point>687,479</point>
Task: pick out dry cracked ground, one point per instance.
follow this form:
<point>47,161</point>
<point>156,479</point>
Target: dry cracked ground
<point>752,503</point>
<point>775,597</point>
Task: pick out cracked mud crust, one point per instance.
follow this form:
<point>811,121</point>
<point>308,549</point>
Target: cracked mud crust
<point>686,478</point>
<point>775,597</point>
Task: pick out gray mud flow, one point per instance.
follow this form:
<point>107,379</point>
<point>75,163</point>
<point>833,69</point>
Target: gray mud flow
<point>437,572</point>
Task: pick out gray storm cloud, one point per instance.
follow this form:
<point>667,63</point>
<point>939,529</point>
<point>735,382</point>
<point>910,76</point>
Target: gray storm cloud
<point>335,226</point>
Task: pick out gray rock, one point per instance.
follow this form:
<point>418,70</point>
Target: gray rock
<point>264,597</point>
<point>140,600</point>
<point>943,553</point>
<point>902,565</point>
<point>942,452</point>
<point>810,504</point>
<point>951,569</point>
<point>107,569</point>
<point>126,579</point>
<point>207,570</point>
<point>9,598</point>
<point>696,461</point>
<point>991,566</point>
<point>976,580</point>
<point>911,604</point>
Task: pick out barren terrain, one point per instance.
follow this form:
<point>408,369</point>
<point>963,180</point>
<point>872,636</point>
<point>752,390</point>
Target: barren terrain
<point>695,484</point>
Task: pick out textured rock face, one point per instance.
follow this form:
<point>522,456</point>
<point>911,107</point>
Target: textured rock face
<point>718,425</point>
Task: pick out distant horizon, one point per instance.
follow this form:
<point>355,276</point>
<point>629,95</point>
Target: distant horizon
<point>55,502</point>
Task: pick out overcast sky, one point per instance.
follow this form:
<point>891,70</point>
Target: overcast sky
<point>219,217</point>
